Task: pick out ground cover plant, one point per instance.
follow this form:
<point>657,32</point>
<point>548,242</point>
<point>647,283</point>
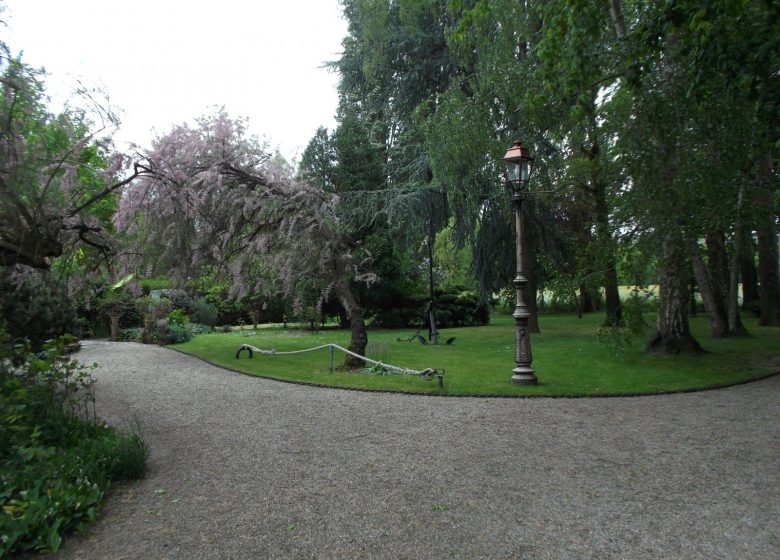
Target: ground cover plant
<point>57,460</point>
<point>568,359</point>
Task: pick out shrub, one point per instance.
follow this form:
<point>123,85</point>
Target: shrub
<point>457,306</point>
<point>154,308</point>
<point>56,460</point>
<point>228,309</point>
<point>633,309</point>
<point>197,328</point>
<point>35,307</point>
<point>129,456</point>
<point>201,311</point>
<point>133,334</point>
<point>412,313</point>
<point>177,333</point>
<point>178,298</point>
<point>120,302</point>
<point>178,317</point>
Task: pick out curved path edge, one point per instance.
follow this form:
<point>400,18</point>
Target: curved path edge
<point>242,467</point>
<point>482,395</point>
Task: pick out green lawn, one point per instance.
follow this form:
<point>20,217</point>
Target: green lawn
<point>568,359</point>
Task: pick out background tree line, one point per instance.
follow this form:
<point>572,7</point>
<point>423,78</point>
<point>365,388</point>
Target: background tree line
<point>654,125</point>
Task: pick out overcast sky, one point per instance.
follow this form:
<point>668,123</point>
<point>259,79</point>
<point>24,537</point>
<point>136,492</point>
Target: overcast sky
<point>164,62</point>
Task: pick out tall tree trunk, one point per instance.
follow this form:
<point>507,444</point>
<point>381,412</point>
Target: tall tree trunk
<point>359,340</point>
<point>606,245</point>
<point>617,18</point>
<point>718,266</point>
<point>588,299</point>
<point>716,313</point>
<point>747,268</point>
<point>735,326</point>
<point>614,314</point>
<point>577,303</point>
<point>718,286</point>
<point>673,334</point>
<point>769,277</point>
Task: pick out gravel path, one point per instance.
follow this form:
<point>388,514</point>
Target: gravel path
<point>242,467</point>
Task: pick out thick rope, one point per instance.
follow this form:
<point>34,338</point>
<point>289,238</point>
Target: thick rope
<point>428,372</point>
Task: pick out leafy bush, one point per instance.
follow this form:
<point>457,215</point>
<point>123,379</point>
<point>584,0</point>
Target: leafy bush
<point>177,333</point>
<point>411,314</point>
<point>178,317</point>
<point>457,306</point>
<point>616,339</point>
<point>197,328</point>
<point>153,308</point>
<point>129,456</point>
<point>133,334</point>
<point>118,301</point>
<point>178,298</point>
<point>228,309</point>
<point>56,460</point>
<point>634,308</point>
<point>34,306</point>
<point>201,311</point>
<point>136,334</point>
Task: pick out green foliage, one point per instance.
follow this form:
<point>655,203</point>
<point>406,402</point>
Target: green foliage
<point>177,333</point>
<point>55,205</point>
<point>198,328</point>
<point>378,350</point>
<point>158,283</point>
<point>319,160</point>
<point>616,339</point>
<point>130,452</point>
<point>397,298</point>
<point>639,302</point>
<point>116,301</point>
<point>178,317</point>
<point>136,334</point>
<point>408,313</point>
<point>457,306</point>
<point>35,307</point>
<point>201,311</point>
<point>153,308</point>
<point>57,460</point>
<point>229,310</point>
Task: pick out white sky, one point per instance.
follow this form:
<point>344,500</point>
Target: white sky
<point>164,62</point>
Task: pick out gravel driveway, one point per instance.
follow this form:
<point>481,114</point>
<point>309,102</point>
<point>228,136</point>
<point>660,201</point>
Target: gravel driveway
<point>242,467</point>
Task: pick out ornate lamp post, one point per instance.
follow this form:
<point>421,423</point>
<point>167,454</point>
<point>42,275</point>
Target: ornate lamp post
<point>519,165</point>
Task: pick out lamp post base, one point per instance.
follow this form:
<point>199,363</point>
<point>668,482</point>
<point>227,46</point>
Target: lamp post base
<point>523,376</point>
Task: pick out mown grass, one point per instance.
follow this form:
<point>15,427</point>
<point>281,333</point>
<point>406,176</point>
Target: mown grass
<point>568,358</point>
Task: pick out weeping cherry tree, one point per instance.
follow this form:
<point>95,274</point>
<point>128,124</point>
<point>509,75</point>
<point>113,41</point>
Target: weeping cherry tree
<point>212,198</point>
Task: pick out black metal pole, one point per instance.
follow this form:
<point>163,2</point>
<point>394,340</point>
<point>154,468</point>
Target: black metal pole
<point>523,373</point>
